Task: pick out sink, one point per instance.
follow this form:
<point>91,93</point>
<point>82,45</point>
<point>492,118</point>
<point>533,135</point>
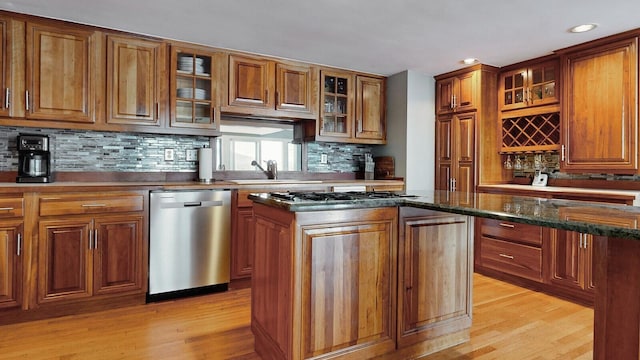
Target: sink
<point>274,181</point>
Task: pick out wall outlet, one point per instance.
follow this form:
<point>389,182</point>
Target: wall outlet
<point>168,155</point>
<point>192,155</point>
<point>323,158</point>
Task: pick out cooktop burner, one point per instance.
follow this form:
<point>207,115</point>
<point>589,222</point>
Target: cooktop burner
<point>335,196</point>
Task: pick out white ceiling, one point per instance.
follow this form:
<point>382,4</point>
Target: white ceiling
<point>377,36</point>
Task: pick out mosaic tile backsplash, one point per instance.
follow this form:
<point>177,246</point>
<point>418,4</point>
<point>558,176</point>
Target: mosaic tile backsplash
<point>89,151</point>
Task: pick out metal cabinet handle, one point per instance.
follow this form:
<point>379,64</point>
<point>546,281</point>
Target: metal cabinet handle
<point>453,102</point>
<point>6,209</point>
<point>6,98</point>
<point>26,99</point>
<point>19,245</point>
<point>507,225</point>
<point>157,111</point>
<point>94,205</point>
<point>90,239</point>
<point>506,256</point>
<point>95,239</point>
<point>562,151</point>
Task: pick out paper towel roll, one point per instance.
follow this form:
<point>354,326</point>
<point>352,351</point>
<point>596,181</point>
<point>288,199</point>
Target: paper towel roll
<point>205,164</point>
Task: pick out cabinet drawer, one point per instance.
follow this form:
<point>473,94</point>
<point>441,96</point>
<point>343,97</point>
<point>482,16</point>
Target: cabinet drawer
<point>11,207</point>
<point>90,203</point>
<point>507,230</point>
<point>516,259</point>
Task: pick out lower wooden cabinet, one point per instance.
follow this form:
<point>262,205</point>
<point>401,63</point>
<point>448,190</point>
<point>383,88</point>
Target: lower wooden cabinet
<point>97,248</point>
<point>435,282</point>
<point>324,283</point>
<point>242,235</point>
<point>510,247</point>
<point>572,262</point>
<point>11,254</point>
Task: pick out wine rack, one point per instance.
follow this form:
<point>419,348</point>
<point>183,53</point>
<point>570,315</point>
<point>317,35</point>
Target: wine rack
<point>531,133</point>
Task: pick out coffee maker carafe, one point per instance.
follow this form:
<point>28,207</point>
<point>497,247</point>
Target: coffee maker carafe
<point>34,159</point>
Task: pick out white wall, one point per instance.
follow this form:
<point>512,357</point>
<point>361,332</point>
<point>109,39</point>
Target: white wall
<point>411,128</point>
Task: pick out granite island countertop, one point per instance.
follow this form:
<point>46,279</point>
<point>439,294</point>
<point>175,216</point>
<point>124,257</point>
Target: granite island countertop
<point>582,216</point>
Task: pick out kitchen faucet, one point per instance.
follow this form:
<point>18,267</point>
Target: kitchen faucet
<point>272,168</point>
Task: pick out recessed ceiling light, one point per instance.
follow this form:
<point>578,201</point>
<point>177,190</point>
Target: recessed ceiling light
<point>583,28</point>
<point>469,61</point>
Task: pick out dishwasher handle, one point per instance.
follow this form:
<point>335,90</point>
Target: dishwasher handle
<point>191,204</point>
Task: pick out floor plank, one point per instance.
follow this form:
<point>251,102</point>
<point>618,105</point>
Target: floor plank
<point>509,322</point>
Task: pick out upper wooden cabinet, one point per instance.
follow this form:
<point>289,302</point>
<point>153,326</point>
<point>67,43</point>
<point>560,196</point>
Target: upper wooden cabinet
<point>263,87</point>
<point>11,69</point>
<point>194,102</point>
<point>61,70</point>
<point>136,81</point>
<point>600,108</point>
<point>456,93</point>
<point>533,85</point>
<point>370,109</point>
<point>353,108</point>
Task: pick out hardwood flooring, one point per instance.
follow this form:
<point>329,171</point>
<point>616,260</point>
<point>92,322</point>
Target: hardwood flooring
<point>509,322</point>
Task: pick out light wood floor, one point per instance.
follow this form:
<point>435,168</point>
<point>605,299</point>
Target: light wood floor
<point>509,323</point>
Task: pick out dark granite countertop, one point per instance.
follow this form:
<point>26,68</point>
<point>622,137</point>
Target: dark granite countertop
<point>586,217</point>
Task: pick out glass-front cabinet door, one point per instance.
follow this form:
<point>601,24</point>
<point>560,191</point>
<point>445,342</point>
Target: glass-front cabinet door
<point>337,104</point>
<point>532,86</point>
<point>193,90</point>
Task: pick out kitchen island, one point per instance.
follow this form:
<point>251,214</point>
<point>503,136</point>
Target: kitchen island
<point>308,286</point>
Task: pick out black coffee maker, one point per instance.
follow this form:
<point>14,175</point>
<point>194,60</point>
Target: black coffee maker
<point>34,159</point>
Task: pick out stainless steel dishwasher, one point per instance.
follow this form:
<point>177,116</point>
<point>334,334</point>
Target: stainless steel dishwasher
<point>189,240</point>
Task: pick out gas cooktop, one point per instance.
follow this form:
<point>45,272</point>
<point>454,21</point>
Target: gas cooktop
<point>336,196</point>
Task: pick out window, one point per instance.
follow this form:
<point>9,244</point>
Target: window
<point>243,141</point>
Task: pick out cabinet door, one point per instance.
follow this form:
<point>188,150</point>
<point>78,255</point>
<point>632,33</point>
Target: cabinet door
<point>444,95</point>
<point>64,260</point>
<point>434,290</point>
<point>193,89</point>
<point>8,64</point>
<point>294,91</point>
<point>242,246</point>
<point>251,82</point>
<point>513,89</point>
<point>347,286</point>
<point>465,92</point>
<point>370,113</point>
<point>60,73</point>
<point>117,260</point>
<point>464,154</point>
<point>135,85</point>
<point>444,153</point>
<point>600,102</point>
<point>542,79</point>
<point>336,111</point>
<point>567,268</point>
<point>11,249</point>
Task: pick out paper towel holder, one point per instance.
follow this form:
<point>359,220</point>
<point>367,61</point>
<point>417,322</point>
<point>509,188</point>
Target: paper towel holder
<point>205,165</point>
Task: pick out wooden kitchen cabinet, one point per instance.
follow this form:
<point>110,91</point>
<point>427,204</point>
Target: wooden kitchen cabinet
<point>457,93</point>
<point>435,281</point>
<point>194,102</point>
<point>465,110</point>
<point>261,86</point>
<point>510,247</point>
<point>136,81</point>
<point>370,123</point>
<point>352,109</point>
<point>11,252</point>
<point>91,244</point>
<point>600,101</point>
<point>532,85</point>
<point>61,72</point>
<point>242,234</point>
<point>12,58</point>
<point>327,279</point>
<point>455,153</point>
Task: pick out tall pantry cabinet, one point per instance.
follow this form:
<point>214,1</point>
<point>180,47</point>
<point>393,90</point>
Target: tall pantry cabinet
<point>465,112</point>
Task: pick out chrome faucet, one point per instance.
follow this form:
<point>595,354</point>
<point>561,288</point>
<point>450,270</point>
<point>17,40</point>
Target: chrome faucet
<point>272,169</point>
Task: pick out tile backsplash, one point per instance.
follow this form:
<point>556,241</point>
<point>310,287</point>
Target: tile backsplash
<point>90,151</point>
